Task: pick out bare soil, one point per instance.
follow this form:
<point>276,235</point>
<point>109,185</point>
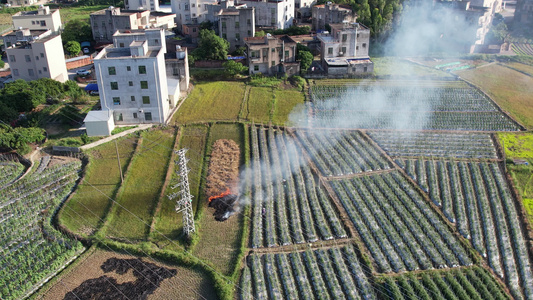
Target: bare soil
<point>223,170</point>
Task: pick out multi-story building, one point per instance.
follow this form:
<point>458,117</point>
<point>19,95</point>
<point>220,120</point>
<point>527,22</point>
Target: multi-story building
<point>26,35</point>
<point>132,80</point>
<point>106,22</point>
<point>190,12</point>
<point>303,9</point>
<point>236,24</point>
<point>272,55</point>
<point>152,5</point>
<point>523,14</point>
<point>42,18</point>
<point>331,13</point>
<point>177,65</point>
<point>31,58</point>
<point>22,2</point>
<point>275,14</point>
<point>344,50</point>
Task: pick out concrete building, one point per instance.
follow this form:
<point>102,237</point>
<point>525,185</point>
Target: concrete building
<point>32,57</point>
<point>331,13</point>
<point>236,24</point>
<point>177,66</point>
<point>132,79</point>
<point>151,5</point>
<point>272,55</point>
<point>344,51</point>
<point>523,14</point>
<point>106,22</point>
<point>272,14</point>
<point>24,35</point>
<point>99,123</point>
<point>303,9</point>
<point>190,12</point>
<point>22,2</point>
<point>43,18</point>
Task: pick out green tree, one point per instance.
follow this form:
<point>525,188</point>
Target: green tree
<point>18,138</point>
<point>7,113</point>
<point>51,88</point>
<point>497,33</point>
<point>211,46</point>
<point>73,47</point>
<point>21,96</point>
<point>306,59</point>
<point>260,33</point>
<point>233,68</point>
<point>77,30</point>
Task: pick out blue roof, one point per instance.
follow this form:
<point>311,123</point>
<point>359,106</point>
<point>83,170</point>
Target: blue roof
<point>91,87</point>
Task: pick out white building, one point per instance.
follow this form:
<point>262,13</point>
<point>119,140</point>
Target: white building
<point>236,24</point>
<point>43,57</point>
<point>105,22</point>
<point>272,13</point>
<point>43,18</point>
<point>152,5</point>
<point>190,12</point>
<point>132,79</point>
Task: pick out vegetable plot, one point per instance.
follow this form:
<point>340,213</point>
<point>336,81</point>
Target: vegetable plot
<point>320,274</point>
<point>10,170</point>
<point>287,205</point>
<point>399,228</point>
<point>30,248</point>
<point>481,205</point>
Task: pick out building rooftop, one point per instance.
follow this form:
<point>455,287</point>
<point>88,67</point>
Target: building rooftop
<point>335,6</point>
<point>119,53</point>
<point>98,116</point>
<point>31,13</point>
<point>345,61</point>
<point>33,32</point>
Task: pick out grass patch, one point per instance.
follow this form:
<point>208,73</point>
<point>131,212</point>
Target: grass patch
<point>528,204</point>
<point>517,145</point>
<point>142,186</point>
<point>83,213</point>
<point>286,101</point>
<point>219,242</point>
<point>211,101</point>
<point>168,222</point>
<point>512,90</point>
<point>521,67</point>
<point>122,129</point>
<point>258,106</point>
<point>75,12</point>
<point>392,66</point>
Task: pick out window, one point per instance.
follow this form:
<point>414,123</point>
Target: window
<point>273,50</point>
<point>286,53</point>
<point>194,29</point>
<point>28,58</point>
<point>132,98</point>
<point>354,69</point>
<point>364,45</point>
<point>116,100</point>
<point>330,50</point>
<point>144,85</point>
<point>365,69</point>
<point>118,117</point>
<point>8,44</point>
<point>248,21</point>
<point>32,22</point>
<point>16,72</point>
<point>40,72</point>
<point>356,48</point>
<point>148,116</point>
<point>156,41</point>
<point>45,69</point>
<point>30,72</point>
<point>358,35</point>
<point>36,57</point>
<point>273,11</point>
<point>193,5</point>
<point>142,69</point>
<point>343,50</point>
<point>344,37</point>
<point>223,24</point>
<point>12,58</point>
<point>273,63</point>
<point>175,71</point>
<point>42,54</point>
<point>224,36</point>
<point>238,37</point>
<point>249,33</point>
<point>146,99</point>
<point>121,45</point>
<point>43,23</point>
<point>114,85</point>
<point>236,25</point>
<point>135,115</point>
<point>256,68</point>
<point>128,68</point>
<point>255,54</point>
<point>112,71</point>
<point>186,6</point>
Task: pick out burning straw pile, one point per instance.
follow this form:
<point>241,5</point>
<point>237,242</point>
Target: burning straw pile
<point>223,178</point>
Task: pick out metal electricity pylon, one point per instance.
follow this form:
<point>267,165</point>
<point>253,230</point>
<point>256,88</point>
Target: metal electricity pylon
<point>183,195</point>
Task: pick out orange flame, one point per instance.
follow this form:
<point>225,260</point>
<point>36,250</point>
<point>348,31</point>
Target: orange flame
<point>227,192</point>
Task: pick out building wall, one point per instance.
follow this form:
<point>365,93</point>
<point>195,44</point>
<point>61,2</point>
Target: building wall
<point>42,59</point>
<point>228,29</point>
<point>268,57</point>
<point>45,18</point>
<point>272,14</point>
<point>190,11</point>
<point>129,85</point>
<point>152,5</point>
<point>331,14</point>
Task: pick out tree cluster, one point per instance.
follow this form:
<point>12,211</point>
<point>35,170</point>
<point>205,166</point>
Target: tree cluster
<point>210,46</point>
<point>18,138</point>
<point>304,55</point>
<point>77,30</point>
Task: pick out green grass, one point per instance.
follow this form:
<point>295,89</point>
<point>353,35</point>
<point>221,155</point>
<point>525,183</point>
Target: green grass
<point>528,204</point>
<point>392,66</point>
<point>220,241</point>
<point>140,192</point>
<point>521,67</point>
<point>258,106</point>
<point>211,101</point>
<point>168,222</point>
<point>512,90</point>
<point>85,210</point>
<point>517,145</point>
<point>81,12</point>
<point>286,102</point>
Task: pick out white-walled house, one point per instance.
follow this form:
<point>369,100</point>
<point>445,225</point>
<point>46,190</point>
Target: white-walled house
<point>278,14</point>
<point>43,18</point>
<point>31,59</point>
<point>132,79</point>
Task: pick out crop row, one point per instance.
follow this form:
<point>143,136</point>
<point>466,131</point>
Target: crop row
<point>417,98</point>
<point>462,284</point>
<point>407,119</point>
<point>30,248</point>
<point>287,206</point>
<point>398,226</point>
<point>10,171</point>
<point>339,153</point>
<point>445,145</point>
<point>320,274</point>
<point>476,197</point>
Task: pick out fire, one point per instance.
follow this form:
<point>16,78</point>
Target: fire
<point>227,192</point>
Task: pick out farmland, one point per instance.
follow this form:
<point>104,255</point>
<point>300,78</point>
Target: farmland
<point>31,248</point>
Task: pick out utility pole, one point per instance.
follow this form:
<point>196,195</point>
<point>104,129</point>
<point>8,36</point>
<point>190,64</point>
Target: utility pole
<point>183,195</point>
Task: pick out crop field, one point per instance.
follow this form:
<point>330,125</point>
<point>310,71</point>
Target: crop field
<point>287,205</point>
<point>433,144</point>
<point>337,153</point>
<point>475,197</point>
<point>11,171</point>
<point>31,249</point>
<point>326,273</point>
<point>408,107</point>
<point>286,102</point>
